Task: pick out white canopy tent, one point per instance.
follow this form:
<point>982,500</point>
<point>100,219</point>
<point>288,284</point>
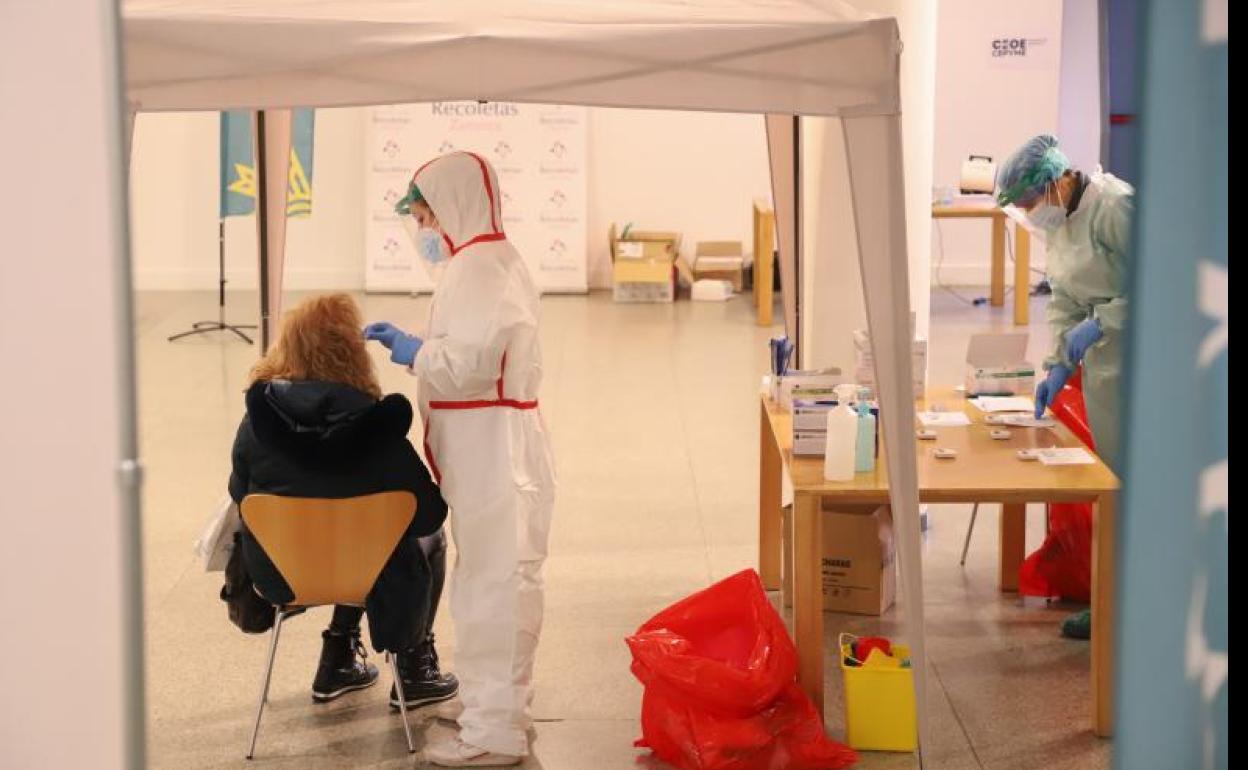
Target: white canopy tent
<point>779,58</point>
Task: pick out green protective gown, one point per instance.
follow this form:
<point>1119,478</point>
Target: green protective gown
<point>1087,266</point>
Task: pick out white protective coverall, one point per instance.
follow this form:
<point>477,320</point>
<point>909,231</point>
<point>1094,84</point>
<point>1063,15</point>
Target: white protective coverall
<point>479,371</point>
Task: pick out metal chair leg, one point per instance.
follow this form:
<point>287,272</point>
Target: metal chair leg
<point>268,677</point>
<point>966,546</point>
<point>398,690</point>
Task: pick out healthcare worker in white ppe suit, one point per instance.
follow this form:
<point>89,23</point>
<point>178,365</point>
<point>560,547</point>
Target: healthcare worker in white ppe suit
<point>478,368</point>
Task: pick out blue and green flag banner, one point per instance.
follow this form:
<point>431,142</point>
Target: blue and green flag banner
<point>1173,631</point>
<point>238,167</point>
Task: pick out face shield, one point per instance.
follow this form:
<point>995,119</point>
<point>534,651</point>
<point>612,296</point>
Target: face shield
<point>421,227</point>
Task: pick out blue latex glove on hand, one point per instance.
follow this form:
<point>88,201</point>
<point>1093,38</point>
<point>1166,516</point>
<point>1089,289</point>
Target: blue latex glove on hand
<point>384,332</point>
<point>1082,337</point>
<point>406,346</point>
<point>403,347</point>
<point>1047,391</point>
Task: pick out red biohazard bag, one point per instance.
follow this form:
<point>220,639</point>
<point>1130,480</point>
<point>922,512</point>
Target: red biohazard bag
<point>719,672</point>
<point>1062,566</point>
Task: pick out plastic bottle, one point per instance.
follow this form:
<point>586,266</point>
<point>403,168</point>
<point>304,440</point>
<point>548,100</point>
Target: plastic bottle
<point>838,458</point>
<point>864,461</point>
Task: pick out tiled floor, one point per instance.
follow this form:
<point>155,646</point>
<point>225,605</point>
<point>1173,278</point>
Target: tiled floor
<point>654,415</point>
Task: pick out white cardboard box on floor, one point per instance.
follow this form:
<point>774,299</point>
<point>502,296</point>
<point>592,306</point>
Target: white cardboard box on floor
<point>859,568</point>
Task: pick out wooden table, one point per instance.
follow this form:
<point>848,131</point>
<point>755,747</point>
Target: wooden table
<point>1022,255</point>
<point>985,471</point>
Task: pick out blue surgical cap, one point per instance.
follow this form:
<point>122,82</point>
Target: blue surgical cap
<point>1025,174</point>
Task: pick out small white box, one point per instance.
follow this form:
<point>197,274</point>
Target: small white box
<point>996,365</point>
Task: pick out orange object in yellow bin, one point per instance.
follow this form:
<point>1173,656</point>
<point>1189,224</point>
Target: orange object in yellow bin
<point>879,698</point>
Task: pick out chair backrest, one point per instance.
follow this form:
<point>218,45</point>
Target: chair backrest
<point>330,551</point>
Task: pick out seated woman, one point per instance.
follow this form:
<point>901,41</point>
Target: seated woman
<point>317,426</point>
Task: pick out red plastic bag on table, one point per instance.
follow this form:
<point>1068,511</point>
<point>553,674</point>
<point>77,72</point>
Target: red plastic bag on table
<point>721,692</point>
<point>1062,566</point>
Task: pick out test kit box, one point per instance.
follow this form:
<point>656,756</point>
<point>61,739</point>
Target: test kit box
<point>859,559</point>
<point>810,386</point>
<point>996,365</point>
<point>810,427</point>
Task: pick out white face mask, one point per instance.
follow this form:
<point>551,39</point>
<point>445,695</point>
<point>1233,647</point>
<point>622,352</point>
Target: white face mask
<point>431,245</point>
<point>1048,217</point>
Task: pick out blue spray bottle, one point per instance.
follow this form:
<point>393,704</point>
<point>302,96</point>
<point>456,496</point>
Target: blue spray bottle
<point>864,456</point>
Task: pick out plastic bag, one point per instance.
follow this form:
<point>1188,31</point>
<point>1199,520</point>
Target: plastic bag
<point>1062,566</point>
<point>216,542</point>
<point>721,693</point>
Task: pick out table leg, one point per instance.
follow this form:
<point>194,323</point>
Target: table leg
<point>808,595</point>
<point>764,273</point>
<point>769,469</point>
<point>786,583</point>
<point>1022,276</point>
<point>998,261</point>
<point>1104,540</point>
<point>1013,549</point>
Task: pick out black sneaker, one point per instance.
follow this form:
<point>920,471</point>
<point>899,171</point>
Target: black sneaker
<point>343,667</point>
<point>423,682</point>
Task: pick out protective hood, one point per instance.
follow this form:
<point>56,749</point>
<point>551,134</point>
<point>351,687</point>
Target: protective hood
<point>462,190</point>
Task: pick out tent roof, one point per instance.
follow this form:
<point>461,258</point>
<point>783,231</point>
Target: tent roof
<point>814,57</point>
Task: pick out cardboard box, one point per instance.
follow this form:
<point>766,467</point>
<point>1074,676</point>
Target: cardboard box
<point>996,365</point>
<point>859,564</point>
<point>644,265</point>
<point>720,261</point>
<point>666,240</point>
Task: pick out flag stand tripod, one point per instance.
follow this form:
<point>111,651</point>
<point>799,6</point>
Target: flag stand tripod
<point>219,325</point>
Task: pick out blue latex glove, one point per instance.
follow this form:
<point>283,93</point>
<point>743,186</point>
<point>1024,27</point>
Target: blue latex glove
<point>403,347</point>
<point>1082,337</point>
<point>406,346</point>
<point>384,332</point>
<point>1052,385</point>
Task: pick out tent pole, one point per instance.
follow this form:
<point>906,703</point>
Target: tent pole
<point>877,190</point>
<point>262,225</point>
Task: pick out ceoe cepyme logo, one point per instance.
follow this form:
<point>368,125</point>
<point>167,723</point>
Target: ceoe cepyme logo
<point>1009,46</point>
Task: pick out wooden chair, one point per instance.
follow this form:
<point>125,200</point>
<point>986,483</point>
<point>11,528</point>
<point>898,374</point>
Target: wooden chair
<point>329,552</point>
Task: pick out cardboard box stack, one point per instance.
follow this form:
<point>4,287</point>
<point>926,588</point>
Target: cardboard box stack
<point>864,361</point>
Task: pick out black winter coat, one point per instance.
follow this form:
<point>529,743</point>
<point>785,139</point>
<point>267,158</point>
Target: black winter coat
<point>321,439</point>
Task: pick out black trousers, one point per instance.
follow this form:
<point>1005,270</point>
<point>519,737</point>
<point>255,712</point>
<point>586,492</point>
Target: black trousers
<point>433,548</point>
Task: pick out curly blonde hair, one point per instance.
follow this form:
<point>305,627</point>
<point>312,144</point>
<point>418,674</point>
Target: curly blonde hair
<point>321,338</point>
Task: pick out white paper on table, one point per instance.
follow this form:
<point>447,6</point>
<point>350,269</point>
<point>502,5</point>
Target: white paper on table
<point>944,419</point>
<point>994,404</point>
<point>1028,421</point>
<point>1069,456</point>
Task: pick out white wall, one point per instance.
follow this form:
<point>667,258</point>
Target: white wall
<point>695,172</point>
<point>174,188</point>
<point>69,584</point>
<point>832,280</point>
<point>989,107</point>
<point>692,172</point>
<point>1080,113</point>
